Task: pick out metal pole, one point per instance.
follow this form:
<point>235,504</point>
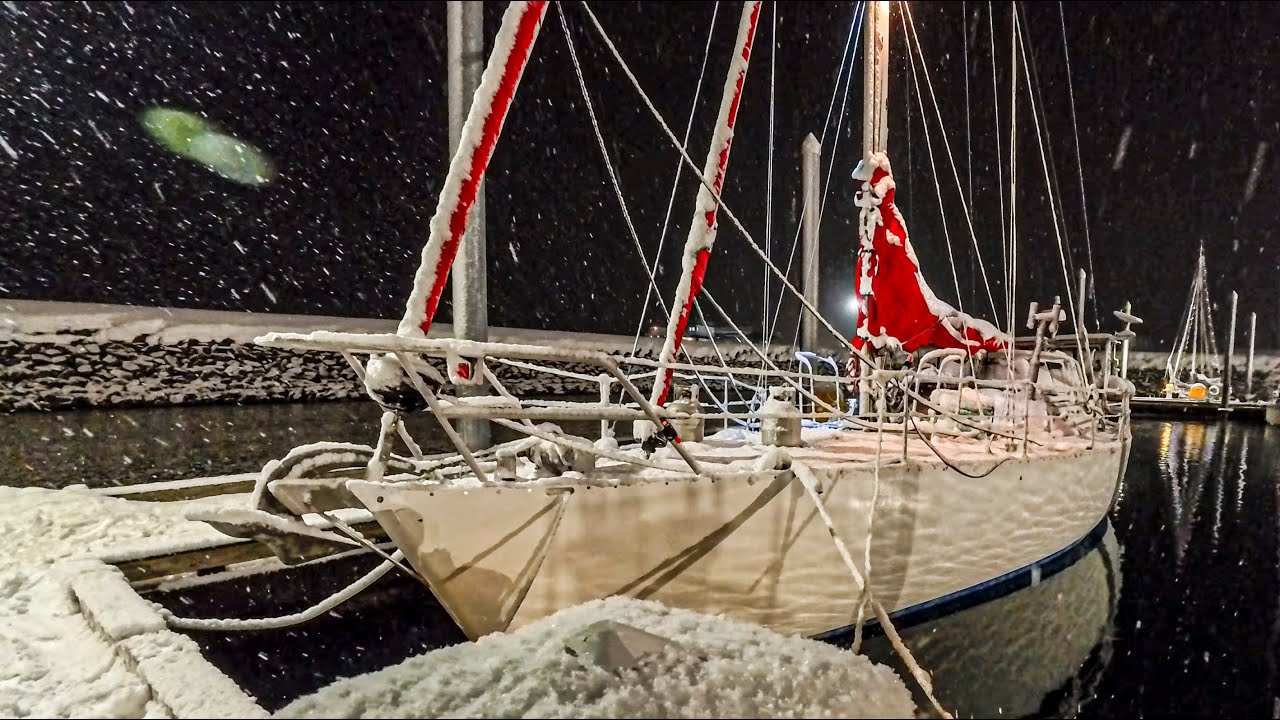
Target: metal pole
<point>1231,351</point>
<point>810,158</point>
<point>1248,377</point>
<point>1124,348</point>
<point>875,78</point>
<point>469,278</point>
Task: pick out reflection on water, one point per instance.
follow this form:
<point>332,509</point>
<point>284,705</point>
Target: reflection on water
<point>1174,613</point>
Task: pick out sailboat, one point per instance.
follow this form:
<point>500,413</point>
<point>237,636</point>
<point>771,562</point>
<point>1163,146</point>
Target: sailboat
<point>1194,368</point>
<point>969,468</point>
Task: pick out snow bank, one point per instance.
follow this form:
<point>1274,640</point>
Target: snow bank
<point>56,664</point>
<point>718,668</point>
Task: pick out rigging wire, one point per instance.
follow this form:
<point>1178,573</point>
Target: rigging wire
<point>1075,129</point>
<point>1044,159</point>
<point>915,79</point>
<point>720,203</point>
<point>913,34</point>
<point>995,96</point>
<point>845,61</point>
<point>831,166</point>
<point>613,178</point>
<point>652,268</point>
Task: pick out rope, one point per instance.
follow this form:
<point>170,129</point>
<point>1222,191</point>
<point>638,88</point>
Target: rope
<point>1071,303</point>
<point>1084,206</point>
<point>809,482</point>
<point>995,96</point>
<point>912,34</point>
<point>733,218</point>
<point>853,32</point>
<point>675,180</point>
<point>277,623</point>
<point>854,28</point>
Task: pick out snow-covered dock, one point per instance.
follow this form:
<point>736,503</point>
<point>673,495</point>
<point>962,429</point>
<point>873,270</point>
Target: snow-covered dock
<point>85,643</point>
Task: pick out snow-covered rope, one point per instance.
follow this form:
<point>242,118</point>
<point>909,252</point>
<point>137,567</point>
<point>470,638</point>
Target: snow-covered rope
<point>733,218</point>
<point>277,623</point>
<point>924,122</point>
<point>613,177</point>
<point>1075,129</point>
<point>810,483</point>
<point>604,153</point>
<point>995,97</point>
<point>854,29</point>
<point>1044,160</point>
<point>912,34</point>
<point>826,183</point>
<point>652,268</point>
<point>765,337</point>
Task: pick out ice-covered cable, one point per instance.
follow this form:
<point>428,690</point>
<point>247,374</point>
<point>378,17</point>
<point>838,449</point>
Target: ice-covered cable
<point>854,27</point>
<point>652,268</point>
<point>1075,129</point>
<point>733,218</point>
<point>912,35</point>
<point>613,177</point>
<point>276,623</point>
<point>995,98</point>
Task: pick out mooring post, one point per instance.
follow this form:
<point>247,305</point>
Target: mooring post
<point>810,158</point>
<point>1248,368</point>
<point>470,269</point>
<point>1231,351</point>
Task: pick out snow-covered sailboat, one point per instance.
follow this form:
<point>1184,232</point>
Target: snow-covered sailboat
<point>1194,368</point>
<point>981,458</point>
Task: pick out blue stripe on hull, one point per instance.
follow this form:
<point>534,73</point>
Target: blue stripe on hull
<point>983,592</point>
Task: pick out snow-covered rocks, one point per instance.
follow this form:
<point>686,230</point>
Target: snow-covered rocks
<point>710,667</point>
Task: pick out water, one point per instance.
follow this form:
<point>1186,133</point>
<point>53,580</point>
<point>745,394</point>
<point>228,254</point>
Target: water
<point>1175,612</point>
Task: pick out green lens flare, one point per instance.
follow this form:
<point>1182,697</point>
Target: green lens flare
<point>190,136</point>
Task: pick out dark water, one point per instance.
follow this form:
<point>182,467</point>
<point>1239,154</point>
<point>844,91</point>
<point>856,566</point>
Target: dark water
<point>1175,612</point>
<point>103,448</point>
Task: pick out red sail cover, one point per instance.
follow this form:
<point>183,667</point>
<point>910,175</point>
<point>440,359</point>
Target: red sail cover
<point>898,308</point>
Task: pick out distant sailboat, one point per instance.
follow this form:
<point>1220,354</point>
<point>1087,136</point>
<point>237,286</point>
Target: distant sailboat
<point>1194,368</point>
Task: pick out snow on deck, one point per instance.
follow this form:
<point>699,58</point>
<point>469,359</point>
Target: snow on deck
<point>716,668</point>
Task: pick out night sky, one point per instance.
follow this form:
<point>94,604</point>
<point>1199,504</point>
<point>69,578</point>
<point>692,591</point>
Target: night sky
<point>1177,110</point>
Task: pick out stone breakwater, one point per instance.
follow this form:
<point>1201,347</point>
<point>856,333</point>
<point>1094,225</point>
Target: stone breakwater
<point>66,355</point>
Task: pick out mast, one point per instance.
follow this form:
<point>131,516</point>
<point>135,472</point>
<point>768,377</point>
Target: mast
<point>480,133</point>
<point>875,79</point>
<point>875,114</point>
<point>702,231</point>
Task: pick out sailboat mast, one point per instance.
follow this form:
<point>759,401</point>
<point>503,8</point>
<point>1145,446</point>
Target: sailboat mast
<point>875,79</point>
<point>702,230</point>
<point>875,121</point>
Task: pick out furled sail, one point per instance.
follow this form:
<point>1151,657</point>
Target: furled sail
<point>898,308</point>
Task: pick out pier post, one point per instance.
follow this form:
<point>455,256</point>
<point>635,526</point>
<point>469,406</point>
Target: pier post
<point>1231,351</point>
<point>1248,368</point>
<point>469,278</point>
<point>810,157</point>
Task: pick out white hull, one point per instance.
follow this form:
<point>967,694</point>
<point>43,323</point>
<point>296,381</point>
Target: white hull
<point>752,546</point>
